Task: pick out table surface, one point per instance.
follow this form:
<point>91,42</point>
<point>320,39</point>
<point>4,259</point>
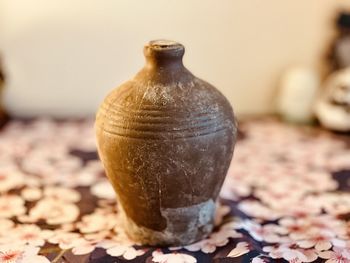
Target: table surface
<point>285,198</point>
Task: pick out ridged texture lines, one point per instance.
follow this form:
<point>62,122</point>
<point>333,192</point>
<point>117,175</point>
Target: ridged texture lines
<point>153,122</point>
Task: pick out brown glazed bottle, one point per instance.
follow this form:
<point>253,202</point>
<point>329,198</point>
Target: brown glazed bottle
<point>166,139</point>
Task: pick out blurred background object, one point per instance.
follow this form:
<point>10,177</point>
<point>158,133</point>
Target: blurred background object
<point>333,105</point>
<point>3,115</point>
<point>298,88</point>
<point>339,55</point>
<point>62,57</point>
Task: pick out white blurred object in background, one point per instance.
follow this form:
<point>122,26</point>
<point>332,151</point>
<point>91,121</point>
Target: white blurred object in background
<point>298,88</point>
<point>333,105</point>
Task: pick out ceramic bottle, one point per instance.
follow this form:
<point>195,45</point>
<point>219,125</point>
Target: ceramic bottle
<point>166,139</point>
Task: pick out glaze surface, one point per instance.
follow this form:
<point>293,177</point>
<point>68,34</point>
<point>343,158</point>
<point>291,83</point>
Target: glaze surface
<point>166,139</point>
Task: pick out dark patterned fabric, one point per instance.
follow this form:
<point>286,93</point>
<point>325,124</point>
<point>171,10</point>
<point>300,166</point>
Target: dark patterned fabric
<point>285,198</point>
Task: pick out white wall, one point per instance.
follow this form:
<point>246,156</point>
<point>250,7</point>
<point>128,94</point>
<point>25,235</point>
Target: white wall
<point>63,56</point>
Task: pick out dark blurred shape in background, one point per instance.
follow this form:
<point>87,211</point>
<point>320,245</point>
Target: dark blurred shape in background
<point>339,55</point>
<point>3,115</point>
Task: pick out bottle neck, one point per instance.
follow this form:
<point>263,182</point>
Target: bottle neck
<point>164,54</point>
<point>164,64</point>
<point>164,61</point>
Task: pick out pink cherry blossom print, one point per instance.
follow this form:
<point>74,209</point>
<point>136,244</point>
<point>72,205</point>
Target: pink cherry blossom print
<point>174,257</point>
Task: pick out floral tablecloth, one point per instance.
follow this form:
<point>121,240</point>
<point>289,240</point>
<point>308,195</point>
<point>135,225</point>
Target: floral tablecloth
<point>285,198</point>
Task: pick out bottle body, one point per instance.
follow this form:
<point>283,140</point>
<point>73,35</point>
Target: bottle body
<point>166,139</point>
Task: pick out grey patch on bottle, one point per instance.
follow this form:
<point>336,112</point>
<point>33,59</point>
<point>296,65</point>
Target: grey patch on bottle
<point>185,225</point>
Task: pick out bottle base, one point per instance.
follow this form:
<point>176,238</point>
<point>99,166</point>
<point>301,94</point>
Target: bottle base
<point>185,225</point>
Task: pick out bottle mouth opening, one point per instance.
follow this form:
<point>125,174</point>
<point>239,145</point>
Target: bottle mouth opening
<point>163,52</point>
<point>162,44</point>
